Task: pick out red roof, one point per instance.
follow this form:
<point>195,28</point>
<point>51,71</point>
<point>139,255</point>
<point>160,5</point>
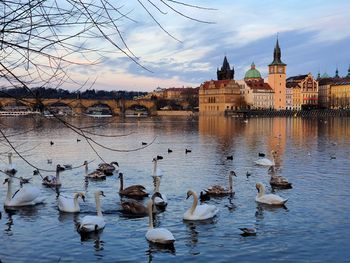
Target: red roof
<point>217,83</point>
<point>259,85</point>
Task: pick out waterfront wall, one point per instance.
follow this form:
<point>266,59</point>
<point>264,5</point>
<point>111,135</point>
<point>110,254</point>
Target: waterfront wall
<point>176,113</point>
<point>289,113</point>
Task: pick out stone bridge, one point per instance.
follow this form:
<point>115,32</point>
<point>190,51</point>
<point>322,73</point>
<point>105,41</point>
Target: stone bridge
<point>80,106</point>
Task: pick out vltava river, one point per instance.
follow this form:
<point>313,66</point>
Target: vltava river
<point>313,154</point>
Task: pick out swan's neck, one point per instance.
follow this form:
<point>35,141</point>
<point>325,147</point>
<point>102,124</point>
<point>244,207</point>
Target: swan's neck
<point>230,183</point>
<point>156,189</point>
<point>75,200</point>
<point>58,177</point>
<point>121,187</point>
<point>155,168</point>
<point>9,190</point>
<point>150,215</point>
<point>86,169</point>
<point>261,191</point>
<point>98,205</point>
<point>10,159</point>
<point>195,202</point>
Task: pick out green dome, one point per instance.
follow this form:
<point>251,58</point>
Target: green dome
<point>253,73</point>
<point>325,75</point>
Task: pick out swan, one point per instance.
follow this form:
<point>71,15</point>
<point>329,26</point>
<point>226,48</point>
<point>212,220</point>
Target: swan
<point>70,205</point>
<point>199,212</point>
<point>51,180</point>
<point>27,195</point>
<point>157,235</point>
<point>133,191</point>
<point>96,175</point>
<point>217,190</point>
<point>160,201</point>
<point>132,207</point>
<point>269,199</point>
<point>266,161</point>
<point>108,168</point>
<point>10,170</point>
<point>93,223</point>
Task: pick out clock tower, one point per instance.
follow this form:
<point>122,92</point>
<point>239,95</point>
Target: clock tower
<point>277,79</point>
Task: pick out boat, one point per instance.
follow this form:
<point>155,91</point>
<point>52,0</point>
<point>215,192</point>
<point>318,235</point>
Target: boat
<point>136,114</point>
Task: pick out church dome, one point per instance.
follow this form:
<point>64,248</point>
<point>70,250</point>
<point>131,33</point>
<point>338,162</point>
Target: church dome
<point>253,73</point>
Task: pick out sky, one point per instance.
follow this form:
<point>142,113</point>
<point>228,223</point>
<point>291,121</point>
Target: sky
<point>314,36</point>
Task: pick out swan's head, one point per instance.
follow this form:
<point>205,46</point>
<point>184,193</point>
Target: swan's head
<point>116,163</point>
<point>7,180</point>
<point>189,194</point>
<point>232,173</point>
<point>59,168</point>
<point>120,175</point>
<point>82,195</point>
<point>97,193</point>
<point>154,160</point>
<point>85,163</point>
<point>260,187</point>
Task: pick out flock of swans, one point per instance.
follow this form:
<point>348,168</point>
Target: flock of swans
<point>29,195</point>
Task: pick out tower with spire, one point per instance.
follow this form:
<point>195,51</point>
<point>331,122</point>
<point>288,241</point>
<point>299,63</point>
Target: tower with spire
<point>277,78</point>
<point>225,72</point>
<point>348,76</point>
<point>336,73</point>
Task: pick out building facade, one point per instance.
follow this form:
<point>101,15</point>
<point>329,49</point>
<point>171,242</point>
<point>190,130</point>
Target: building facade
<point>277,79</point>
<point>308,91</point>
<point>256,93</point>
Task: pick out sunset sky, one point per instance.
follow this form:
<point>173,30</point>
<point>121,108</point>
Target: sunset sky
<point>314,36</point>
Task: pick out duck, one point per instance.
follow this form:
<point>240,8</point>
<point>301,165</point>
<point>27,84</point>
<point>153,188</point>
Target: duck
<point>144,143</point>
<point>135,208</point>
<point>204,196</point>
<point>188,151</point>
<point>10,170</point>
<point>266,161</point>
<point>93,223</point>
<point>261,154</point>
<point>199,212</point>
<point>52,143</point>
<point>68,166</point>
<point>70,205</point>
<point>108,168</point>
<point>248,231</point>
<point>268,199</point>
<point>170,150</point>
<point>51,180</point>
<point>26,195</point>
<point>133,191</point>
<point>230,157</point>
<point>157,235</point>
<point>160,201</point>
<point>95,175</point>
<point>218,190</point>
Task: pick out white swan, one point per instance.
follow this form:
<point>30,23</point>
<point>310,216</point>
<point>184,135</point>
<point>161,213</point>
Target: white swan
<point>27,195</point>
<point>199,212</point>
<point>70,205</point>
<point>266,161</point>
<point>157,235</point>
<point>269,199</point>
<point>159,201</point>
<point>51,180</point>
<point>93,223</point>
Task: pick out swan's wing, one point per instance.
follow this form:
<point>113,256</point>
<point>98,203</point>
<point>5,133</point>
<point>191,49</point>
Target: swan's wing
<point>272,199</point>
<point>205,211</point>
<point>26,194</point>
<point>66,204</point>
<point>160,235</point>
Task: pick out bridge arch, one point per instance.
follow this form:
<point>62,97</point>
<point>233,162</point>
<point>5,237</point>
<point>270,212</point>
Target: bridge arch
<point>99,109</point>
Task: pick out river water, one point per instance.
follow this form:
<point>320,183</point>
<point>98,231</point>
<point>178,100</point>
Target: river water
<point>313,154</point>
